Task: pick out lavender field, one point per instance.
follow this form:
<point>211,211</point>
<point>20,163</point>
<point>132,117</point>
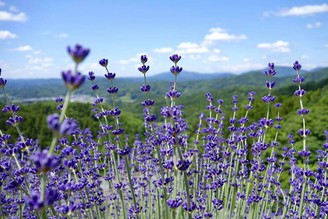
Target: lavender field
<point>231,169</point>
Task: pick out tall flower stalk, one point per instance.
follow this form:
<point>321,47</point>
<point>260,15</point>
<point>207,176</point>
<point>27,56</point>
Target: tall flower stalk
<point>303,132</point>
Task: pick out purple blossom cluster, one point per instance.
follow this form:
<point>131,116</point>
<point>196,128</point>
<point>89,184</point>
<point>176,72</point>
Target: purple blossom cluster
<point>232,169</point>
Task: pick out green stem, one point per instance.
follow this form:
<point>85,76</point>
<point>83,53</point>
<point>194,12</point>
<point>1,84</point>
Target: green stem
<point>128,169</point>
<point>61,118</point>
<point>43,195</point>
<point>188,194</point>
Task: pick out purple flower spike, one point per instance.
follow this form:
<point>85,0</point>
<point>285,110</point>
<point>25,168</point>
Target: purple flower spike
<point>14,120</point>
<point>190,208</point>
<point>304,153</point>
<point>35,201</point>
<point>297,66</point>
<point>72,81</point>
<point>45,162</point>
<point>183,165</point>
<point>103,62</point>
<point>3,82</point>
<point>148,103</point>
<point>270,72</point>
<point>92,76</point>
<point>59,99</point>
<point>271,65</point>
<point>10,109</point>
<point>95,87</point>
<point>78,53</point>
<point>67,127</point>
<point>300,93</point>
<point>145,88</point>
<point>112,90</point>
<point>143,69</point>
<point>176,70</point>
<point>53,122</point>
<point>110,76</point>
<point>270,84</point>
<point>303,112</point>
<point>277,105</point>
<point>175,58</point>
<point>299,79</point>
<point>174,203</point>
<point>303,133</point>
<point>143,59</point>
<point>268,98</point>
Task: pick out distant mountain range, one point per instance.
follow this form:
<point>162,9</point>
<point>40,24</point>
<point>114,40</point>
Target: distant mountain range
<point>129,88</point>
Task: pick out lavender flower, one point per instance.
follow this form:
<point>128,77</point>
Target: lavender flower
<point>14,120</point>
<point>10,109</point>
<point>110,76</point>
<point>271,71</point>
<point>53,122</point>
<point>112,90</point>
<point>297,66</point>
<point>72,81</point>
<point>59,99</point>
<point>143,59</point>
<point>103,62</point>
<point>3,82</point>
<point>45,162</point>
<point>174,203</point>
<point>67,127</point>
<point>143,69</point>
<point>78,53</point>
<point>92,76</point>
<point>175,58</point>
<point>183,165</point>
<point>175,70</point>
<point>145,88</point>
<point>95,87</point>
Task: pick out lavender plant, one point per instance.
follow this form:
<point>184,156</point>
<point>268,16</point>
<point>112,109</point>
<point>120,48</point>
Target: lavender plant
<point>231,169</point>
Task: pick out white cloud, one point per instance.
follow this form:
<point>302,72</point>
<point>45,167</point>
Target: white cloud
<point>5,34</point>
<point>278,46</point>
<point>61,35</point>
<point>35,60</point>
<point>7,16</point>
<point>163,50</point>
<point>194,56</point>
<point>246,60</point>
<point>13,9</point>
<point>56,35</point>
<point>315,25</point>
<point>219,34</point>
<point>39,63</point>
<point>246,66</point>
<point>303,10</point>
<point>23,48</point>
<point>191,48</point>
<point>216,51</point>
<point>129,61</point>
<point>216,58</point>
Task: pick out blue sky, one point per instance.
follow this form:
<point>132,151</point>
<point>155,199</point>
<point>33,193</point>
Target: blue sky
<point>210,35</point>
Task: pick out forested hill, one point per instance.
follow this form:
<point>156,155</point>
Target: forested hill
<point>129,88</point>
